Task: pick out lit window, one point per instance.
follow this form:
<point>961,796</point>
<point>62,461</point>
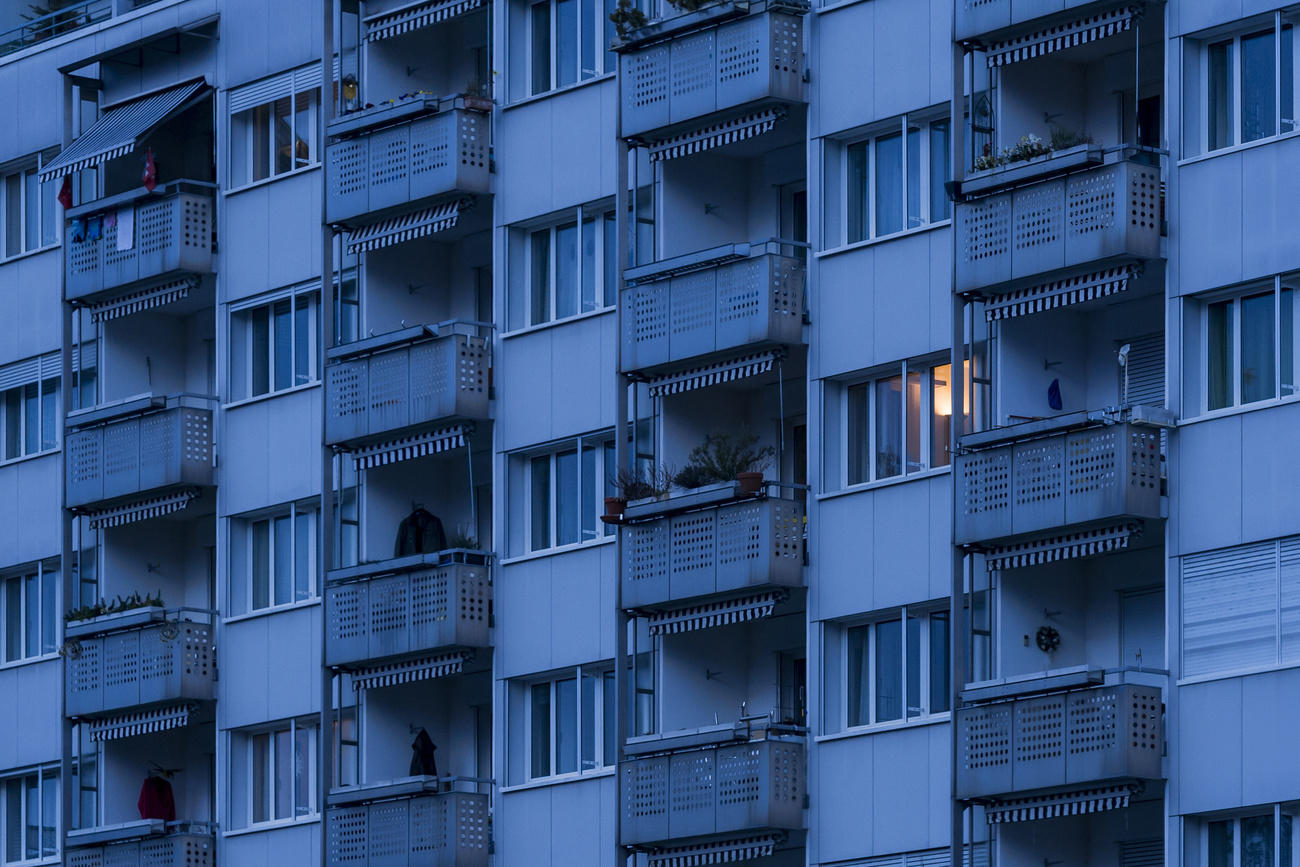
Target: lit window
<point>898,422</point>
<point>896,179</point>
<point>279,133</point>
<point>569,719</point>
<point>563,492</point>
<point>273,558</point>
<point>897,667</point>
<point>274,346</point>
<point>29,608</point>
<point>30,806</point>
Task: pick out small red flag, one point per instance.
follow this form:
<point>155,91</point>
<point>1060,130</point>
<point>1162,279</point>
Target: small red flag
<point>150,171</point>
<point>65,192</point>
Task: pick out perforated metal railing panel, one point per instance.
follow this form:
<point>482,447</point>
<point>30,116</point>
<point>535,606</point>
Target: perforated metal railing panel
<point>1038,495</point>
<point>140,666</point>
<point>984,749</point>
<point>441,830</point>
<point>692,87</point>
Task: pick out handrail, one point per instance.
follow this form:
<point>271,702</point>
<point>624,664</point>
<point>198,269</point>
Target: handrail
<point>136,404</point>
<point>55,23</point>
<point>377,343</point>
<point>698,260</point>
<point>136,194</point>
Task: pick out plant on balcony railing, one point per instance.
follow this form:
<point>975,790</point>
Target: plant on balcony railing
<point>1030,146</point>
<point>101,608</point>
<point>722,458</point>
<point>626,18</point>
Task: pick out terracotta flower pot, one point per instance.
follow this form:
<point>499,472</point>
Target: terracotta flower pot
<point>750,483</point>
<point>614,508</point>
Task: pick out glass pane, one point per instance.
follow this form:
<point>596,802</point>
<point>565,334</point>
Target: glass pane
<point>282,539</point>
<point>588,265</point>
<point>858,217</point>
<point>940,414</point>
<point>260,346</point>
<point>302,342</point>
<point>940,162</point>
<point>241,141</point>
<point>32,615</point>
<point>49,815</point>
<point>889,184</point>
<point>914,422</point>
<point>566,270</point>
<point>1284,840</point>
<point>1257,841</point>
<point>566,497</point>
<point>590,485</point>
<point>302,555</point>
<point>13,820</point>
<point>31,828</point>
<point>261,566</point>
<point>49,209</point>
<point>261,765</point>
<point>32,418</point>
<point>566,42</point>
<point>913,178</point>
<point>1287,80</point>
<point>13,619</point>
<point>566,721</point>
<point>13,423</point>
<point>32,211</point>
<point>303,762</point>
<point>889,427</point>
<point>49,605</point>
<point>587,731</point>
<point>540,732</point>
<point>540,277</point>
<point>913,670</point>
<point>607,483</point>
<point>304,129</point>
<point>13,215</point>
<point>1219,355</point>
<point>859,434</point>
<point>1258,83</point>
<point>940,670</point>
<point>282,124</point>
<point>611,261</point>
<point>859,670</point>
<point>611,60</point>
<point>1219,89</point>
<point>889,670</point>
<point>540,21</point>
<point>608,721</point>
<point>1286,351</point>
<point>283,774</point>
<point>541,502</point>
<point>589,29</point>
<point>1257,352</point>
<point>49,414</point>
<point>283,350</point>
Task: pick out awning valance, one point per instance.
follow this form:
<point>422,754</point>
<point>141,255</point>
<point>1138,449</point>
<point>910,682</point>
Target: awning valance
<point>407,227</point>
<point>145,299</point>
<point>406,448</point>
<point>414,16</point>
<point>1085,543</point>
<point>1060,804</point>
<point>1059,293</point>
<point>119,129</point>
<point>411,670</point>
<point>715,851</point>
<point>716,135</point>
<point>140,510</point>
<point>721,613</point>
<point>127,725</point>
<point>1079,31</point>
<point>713,374</point>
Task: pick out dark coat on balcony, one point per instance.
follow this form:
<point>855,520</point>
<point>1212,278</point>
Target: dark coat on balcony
<point>419,533</point>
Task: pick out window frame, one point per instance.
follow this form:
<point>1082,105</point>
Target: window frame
<point>44,775</point>
<point>604,672</point>
<point>244,525</point>
<point>925,121</point>
<point>606,60</point>
<point>1235,296</point>
<point>292,727</point>
<point>26,576</point>
<point>925,612</point>
<point>927,367</point>
<point>601,442</point>
<point>45,198</point>
<point>242,326</point>
<point>604,297</point>
<point>249,136</point>
<point>1235,819</point>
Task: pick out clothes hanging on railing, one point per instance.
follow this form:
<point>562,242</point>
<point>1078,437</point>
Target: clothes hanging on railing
<point>419,533</point>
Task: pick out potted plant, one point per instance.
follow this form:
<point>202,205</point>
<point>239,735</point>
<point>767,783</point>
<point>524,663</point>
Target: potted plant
<point>723,457</point>
<point>627,18</point>
<point>477,95</point>
<point>637,483</point>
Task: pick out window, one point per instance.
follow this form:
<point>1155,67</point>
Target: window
<point>29,418</point>
<point>570,723</point>
<point>1265,838</point>
<point>568,42</point>
<point>31,815</point>
<point>274,126</point>
<point>896,179</point>
<point>347,300</point>
<point>1248,346</point>
<point>274,346</point>
<point>274,773</point>
<point>29,608</point>
<point>564,492</point>
<point>273,558</point>
<point>1242,85</point>
<point>571,268</point>
<point>898,422</point>
<point>30,215</point>
<point>896,668</point>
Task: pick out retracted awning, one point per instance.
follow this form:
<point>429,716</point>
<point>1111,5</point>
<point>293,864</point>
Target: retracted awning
<point>145,299</point>
<point>414,16</point>
<point>716,135</point>
<point>713,374</point>
<point>411,670</point>
<point>1086,543</point>
<point>1079,31</point>
<point>407,227</point>
<point>119,129</point>
<point>1059,293</point>
<point>1061,804</point>
<point>127,725</point>
<point>140,510</point>
<point>715,851</point>
<point>406,448</point>
<point>711,614</point>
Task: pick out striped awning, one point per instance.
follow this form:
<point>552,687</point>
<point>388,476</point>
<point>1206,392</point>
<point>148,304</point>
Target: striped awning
<point>710,614</point>
<point>414,16</point>
<point>140,510</point>
<point>119,129</point>
<point>407,227</point>
<point>713,374</point>
<point>1060,804</point>
<point>1085,543</point>
<point>407,448</point>
<point>145,299</point>
<point>715,851</point>
<point>127,725</point>
<point>716,135</point>
<point>411,670</point>
<point>1059,293</point>
<point>1080,31</point>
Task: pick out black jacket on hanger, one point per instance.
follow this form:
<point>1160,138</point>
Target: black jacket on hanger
<point>419,533</point>
<point>422,761</point>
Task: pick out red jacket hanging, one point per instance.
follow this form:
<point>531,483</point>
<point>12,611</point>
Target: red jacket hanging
<point>156,800</point>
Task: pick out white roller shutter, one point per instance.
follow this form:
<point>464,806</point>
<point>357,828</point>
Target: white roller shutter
<point>1230,609</point>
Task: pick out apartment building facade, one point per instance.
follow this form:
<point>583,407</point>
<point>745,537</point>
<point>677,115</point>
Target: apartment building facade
<point>575,432</point>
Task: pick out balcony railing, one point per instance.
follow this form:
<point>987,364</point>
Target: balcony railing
<point>392,161</point>
<point>733,546</point>
<point>754,786</point>
<point>404,606</point>
<point>1108,213</point>
<point>70,17</point>
<point>141,445</point>
<point>171,232</point>
<point>407,822</point>
<point>677,75</point>
<point>150,841</point>
<point>1049,481</point>
<point>148,665</point>
<point>414,377</point>
<point>730,297</point>
<point>1073,738</point>
<point>976,18</point>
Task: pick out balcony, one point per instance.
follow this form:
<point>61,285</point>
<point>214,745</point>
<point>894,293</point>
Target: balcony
<point>1076,738</point>
<point>407,379</point>
<point>149,841</point>
<point>143,445</point>
<point>695,306</point>
<point>1087,219</point>
<point>984,18</point>
<point>170,238</point>
<point>416,604</point>
<point>413,821</point>
<point>399,157</point>
<point>711,64</point>
<point>709,543</point>
<point>688,796</point>
<point>1073,471</point>
<point>139,667</point>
